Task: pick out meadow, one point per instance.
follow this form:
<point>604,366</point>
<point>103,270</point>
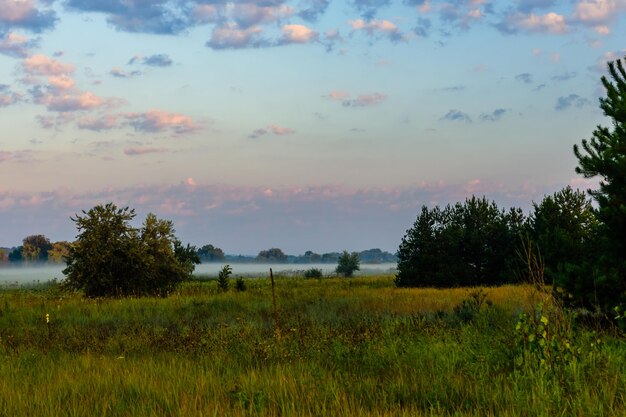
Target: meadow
<point>330,347</point>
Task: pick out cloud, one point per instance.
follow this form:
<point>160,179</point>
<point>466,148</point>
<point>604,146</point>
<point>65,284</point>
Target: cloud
<point>337,95</point>
<point>230,36</point>
<point>525,78</point>
<point>365,100</point>
<point>105,122</point>
<point>553,23</point>
<point>152,16</point>
<point>158,60</point>
<point>526,6</point>
<point>120,73</point>
<point>154,121</point>
<point>313,10</point>
<point>601,65</point>
<point>24,14</point>
<point>572,100</point>
<point>457,116</point>
<point>44,65</point>
<point>461,14</point>
<point>143,150</point>
<point>72,100</point>
<point>17,46</point>
<point>255,13</point>
<point>369,8</point>
<point>378,28</point>
<point>422,27</point>
<point>298,34</point>
<point>7,97</point>
<point>273,129</point>
<point>599,14</point>
<point>564,76</point>
<point>494,116</point>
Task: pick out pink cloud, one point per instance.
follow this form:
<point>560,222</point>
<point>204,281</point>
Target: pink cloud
<point>16,45</point>
<point>280,130</point>
<point>76,101</point>
<point>337,95</point>
<point>547,23</point>
<point>230,35</point>
<point>298,34</point>
<point>16,10</point>
<point>161,121</point>
<point>374,27</point>
<point>44,65</point>
<point>61,82</point>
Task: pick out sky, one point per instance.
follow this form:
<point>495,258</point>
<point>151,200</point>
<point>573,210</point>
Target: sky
<point>305,125</point>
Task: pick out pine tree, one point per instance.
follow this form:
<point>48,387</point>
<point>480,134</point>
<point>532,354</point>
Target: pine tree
<point>604,155</point>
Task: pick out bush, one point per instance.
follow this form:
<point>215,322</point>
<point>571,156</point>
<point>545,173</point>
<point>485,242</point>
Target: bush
<point>240,284</point>
<point>112,258</point>
<point>313,273</point>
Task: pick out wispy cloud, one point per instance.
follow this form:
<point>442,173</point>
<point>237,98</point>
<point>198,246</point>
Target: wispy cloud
<point>143,150</point>
<point>120,73</point>
<point>495,115</point>
<point>365,100</point>
<point>273,129</point>
<point>457,116</point>
<point>154,121</point>
<point>157,60</point>
<point>572,100</point>
<point>525,78</point>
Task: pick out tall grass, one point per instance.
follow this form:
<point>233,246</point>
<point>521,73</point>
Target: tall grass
<point>346,347</point>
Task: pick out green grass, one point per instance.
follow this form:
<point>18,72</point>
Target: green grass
<point>340,347</point>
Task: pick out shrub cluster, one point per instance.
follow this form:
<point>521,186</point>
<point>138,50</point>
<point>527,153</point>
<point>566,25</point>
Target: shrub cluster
<point>112,258</point>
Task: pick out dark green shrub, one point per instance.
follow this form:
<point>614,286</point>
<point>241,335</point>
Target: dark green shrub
<point>222,278</point>
<point>313,273</point>
<point>240,284</point>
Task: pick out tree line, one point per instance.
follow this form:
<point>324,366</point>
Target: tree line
<point>39,248</point>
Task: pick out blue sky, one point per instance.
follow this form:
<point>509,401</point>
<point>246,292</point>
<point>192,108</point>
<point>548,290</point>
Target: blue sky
<point>306,124</point>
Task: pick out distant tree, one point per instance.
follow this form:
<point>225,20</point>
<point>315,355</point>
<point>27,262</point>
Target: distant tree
<point>272,255</point>
<point>210,253</point>
<point>59,252</point>
<point>16,255</point>
<point>4,255</point>
<point>348,263</point>
<point>602,283</point>
<point>330,257</point>
<point>564,227</point>
<point>466,244</point>
<point>311,256</point>
<point>112,258</point>
<point>35,248</point>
